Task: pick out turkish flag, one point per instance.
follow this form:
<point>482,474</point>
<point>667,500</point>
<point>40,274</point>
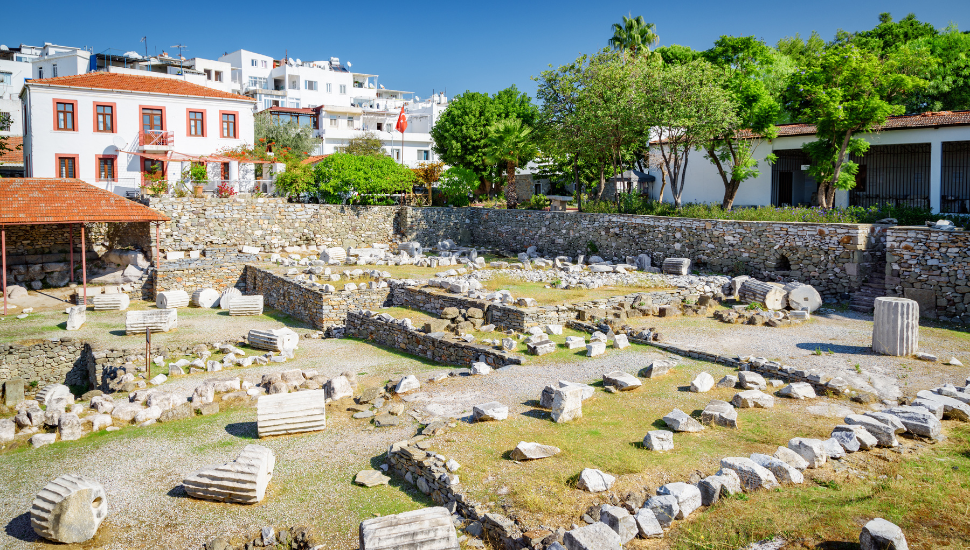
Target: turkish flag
<point>402,122</point>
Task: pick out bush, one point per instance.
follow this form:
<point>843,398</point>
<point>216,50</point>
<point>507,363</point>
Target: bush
<point>637,204</point>
<point>535,202</point>
<point>457,184</point>
<point>359,179</point>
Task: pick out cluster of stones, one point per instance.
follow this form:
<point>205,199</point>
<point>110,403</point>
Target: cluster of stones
<point>282,538</point>
<point>768,303</point>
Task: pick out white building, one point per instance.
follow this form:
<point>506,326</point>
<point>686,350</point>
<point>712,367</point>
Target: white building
<point>337,103</point>
<point>110,129</point>
<point>917,160</point>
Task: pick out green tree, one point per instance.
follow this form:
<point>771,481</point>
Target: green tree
<point>802,52</point>
<point>366,144</point>
<point>510,145</point>
<point>948,81</point>
<point>754,85</point>
<point>461,133</point>
<point>343,177</point>
<point>284,135</point>
<point>675,54</point>
<point>633,34</point>
<point>890,35</point>
<point>5,121</point>
<point>848,91</point>
<point>457,184</point>
<point>689,106</point>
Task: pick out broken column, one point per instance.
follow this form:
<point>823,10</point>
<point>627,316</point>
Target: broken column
<point>76,316</point>
<point>161,320</point>
<point>273,340</point>
<point>171,299</point>
<point>286,413</point>
<point>242,481</point>
<point>110,302</point>
<point>205,297</point>
<point>895,326</point>
<point>802,297</point>
<point>430,528</point>
<point>676,266</point>
<point>227,296</point>
<point>69,509</point>
<point>246,305</point>
<point>759,292</point>
<point>567,404</point>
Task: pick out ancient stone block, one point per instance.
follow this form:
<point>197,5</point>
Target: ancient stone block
<point>205,297</point>
<point>567,404</point>
<point>227,296</point>
<point>287,413</point>
<point>110,302</point>
<point>76,316</point>
<point>161,320</point>
<point>895,327</point>
<point>425,529</point>
<point>69,509</point>
<point>246,305</point>
<point>273,340</point>
<point>242,481</point>
<point>171,299</point>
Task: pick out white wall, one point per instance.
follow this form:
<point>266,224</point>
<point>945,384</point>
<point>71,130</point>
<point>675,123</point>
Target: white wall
<point>76,62</point>
<point>704,184</point>
<point>10,95</point>
<point>43,142</point>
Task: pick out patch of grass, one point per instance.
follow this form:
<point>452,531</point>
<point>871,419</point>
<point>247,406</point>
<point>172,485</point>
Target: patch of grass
<point>928,496</point>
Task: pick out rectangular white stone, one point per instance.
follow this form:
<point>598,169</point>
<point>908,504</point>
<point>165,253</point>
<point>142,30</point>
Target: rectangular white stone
<point>285,413</point>
<point>161,320</point>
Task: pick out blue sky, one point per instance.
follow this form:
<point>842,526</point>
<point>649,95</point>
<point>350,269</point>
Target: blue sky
<point>441,45</point>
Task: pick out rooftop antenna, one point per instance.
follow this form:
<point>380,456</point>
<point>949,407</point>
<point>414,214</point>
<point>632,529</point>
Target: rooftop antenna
<point>145,40</point>
<point>181,59</point>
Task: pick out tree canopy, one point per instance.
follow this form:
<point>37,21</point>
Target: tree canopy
<point>633,34</point>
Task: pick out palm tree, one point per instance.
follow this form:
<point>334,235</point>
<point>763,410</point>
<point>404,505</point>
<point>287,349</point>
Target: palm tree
<point>634,33</point>
<point>509,145</point>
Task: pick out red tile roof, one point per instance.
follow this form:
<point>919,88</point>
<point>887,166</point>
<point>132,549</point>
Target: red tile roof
<point>26,201</point>
<point>16,156</point>
<point>313,159</point>
<point>903,122</point>
<point>135,83</point>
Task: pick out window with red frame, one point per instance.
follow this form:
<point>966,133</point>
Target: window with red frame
<point>196,123</point>
<point>65,116</point>
<point>228,125</point>
<point>106,169</point>
<point>105,114</point>
<point>65,167</point>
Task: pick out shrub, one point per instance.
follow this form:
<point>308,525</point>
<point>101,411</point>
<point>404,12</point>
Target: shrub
<point>359,179</point>
<point>535,202</point>
<point>225,190</point>
<point>457,184</point>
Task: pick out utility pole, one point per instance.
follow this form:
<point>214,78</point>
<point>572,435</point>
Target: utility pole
<point>181,61</point>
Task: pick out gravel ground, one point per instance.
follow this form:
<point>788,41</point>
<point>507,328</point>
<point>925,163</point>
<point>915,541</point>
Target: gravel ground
<point>142,468</point>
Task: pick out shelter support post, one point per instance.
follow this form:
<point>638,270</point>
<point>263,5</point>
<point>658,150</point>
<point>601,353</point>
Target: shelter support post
<point>71,248</point>
<point>158,244</point>
<point>3,252</point>
<point>84,268</point>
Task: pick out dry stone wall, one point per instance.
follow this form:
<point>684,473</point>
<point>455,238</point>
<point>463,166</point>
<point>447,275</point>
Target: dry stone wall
<point>318,309</point>
<point>442,349</point>
<point>58,360</point>
<point>931,267</point>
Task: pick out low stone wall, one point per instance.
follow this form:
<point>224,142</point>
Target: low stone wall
<point>319,309</point>
<point>433,300</point>
<point>931,267</point>
<point>54,361</point>
<point>442,350</point>
<point>194,274</point>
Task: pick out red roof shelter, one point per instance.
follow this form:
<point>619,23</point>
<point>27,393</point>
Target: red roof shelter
<point>36,201</point>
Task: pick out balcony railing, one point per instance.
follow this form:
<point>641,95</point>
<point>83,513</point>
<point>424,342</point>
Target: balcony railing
<point>156,138</point>
<point>212,187</point>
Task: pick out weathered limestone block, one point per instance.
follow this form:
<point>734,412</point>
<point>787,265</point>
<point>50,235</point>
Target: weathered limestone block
<point>567,404</point>
<point>493,410</point>
<point>895,326</point>
<point>783,472</point>
<point>69,427</point>
<point>753,398</point>
<point>76,316</point>
<point>69,509</point>
<point>752,381</point>
<point>702,383</point>
<point>171,299</point>
<point>595,348</point>
<point>160,320</point>
<point>724,483</point>
<point>596,536</point>
<point>425,529</point>
<point>526,450</point>
<point>676,266</point>
<point>246,305</point>
<point>647,524</point>
<point>227,296</point>
<point>918,421</point>
<point>205,297</point>
<point>242,481</point>
<point>752,476</point>
<point>659,440</point>
<point>664,507</point>
<point>273,340</point>
<point>802,297</point>
<point>49,394</point>
<point>620,521</point>
<point>812,450</point>
<point>853,438</point>
<point>884,434</point>
<point>720,413</point>
<point>595,481</point>
<point>287,413</point>
<point>338,387</point>
<point>621,381</point>
<point>110,302</point>
<point>798,390</point>
<point>679,421</point>
<point>575,342</point>
<point>688,497</point>
<point>759,292</point>
<point>880,534</point>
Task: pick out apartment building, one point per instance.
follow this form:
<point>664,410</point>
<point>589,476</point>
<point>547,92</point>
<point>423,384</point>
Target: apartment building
<point>111,128</point>
<point>338,103</point>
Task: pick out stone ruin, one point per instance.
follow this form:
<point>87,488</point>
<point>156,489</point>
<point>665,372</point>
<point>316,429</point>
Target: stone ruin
<point>246,305</point>
<point>162,320</point>
<point>69,509</point>
<point>242,481</point>
<point>287,413</point>
<point>425,529</point>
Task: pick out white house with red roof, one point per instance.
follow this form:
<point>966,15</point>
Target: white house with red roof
<point>915,160</point>
<point>110,129</point>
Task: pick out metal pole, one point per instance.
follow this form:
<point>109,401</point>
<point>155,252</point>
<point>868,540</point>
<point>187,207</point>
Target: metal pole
<point>148,352</point>
<point>158,245</point>
<point>3,251</point>
<point>84,268</point>
<point>71,229</point>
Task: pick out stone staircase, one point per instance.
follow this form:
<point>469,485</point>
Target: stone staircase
<point>874,287</point>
